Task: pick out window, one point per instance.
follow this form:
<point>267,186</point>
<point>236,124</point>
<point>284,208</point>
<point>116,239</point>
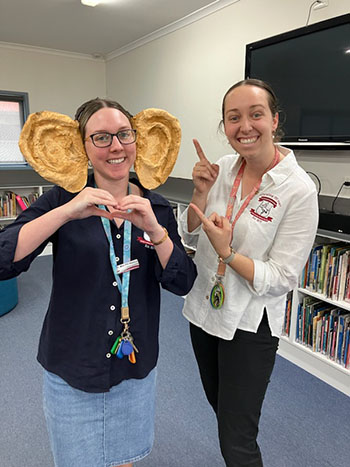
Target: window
<point>14,110</point>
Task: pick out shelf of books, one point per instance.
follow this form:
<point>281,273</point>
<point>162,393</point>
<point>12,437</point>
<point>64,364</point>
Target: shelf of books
<point>12,203</point>
<point>15,199</point>
<point>316,334</point>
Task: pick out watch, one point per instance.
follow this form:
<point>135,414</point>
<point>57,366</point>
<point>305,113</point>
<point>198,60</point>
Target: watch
<point>229,258</point>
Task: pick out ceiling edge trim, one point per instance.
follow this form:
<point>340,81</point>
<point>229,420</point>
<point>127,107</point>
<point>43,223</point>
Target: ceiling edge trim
<point>181,23</point>
<point>63,53</point>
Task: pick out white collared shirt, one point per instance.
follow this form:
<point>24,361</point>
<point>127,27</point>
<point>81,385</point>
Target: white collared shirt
<point>276,230</point>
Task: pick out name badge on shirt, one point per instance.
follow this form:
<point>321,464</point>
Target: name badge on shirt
<point>128,266</point>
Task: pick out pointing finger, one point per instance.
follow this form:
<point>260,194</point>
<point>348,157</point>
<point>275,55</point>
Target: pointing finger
<point>212,168</point>
<point>199,150</point>
<point>199,213</point>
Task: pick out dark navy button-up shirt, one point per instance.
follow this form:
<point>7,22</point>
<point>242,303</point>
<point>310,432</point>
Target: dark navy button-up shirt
<point>83,316</point>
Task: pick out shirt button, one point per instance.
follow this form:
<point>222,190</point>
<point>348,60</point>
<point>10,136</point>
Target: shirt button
<point>118,236</point>
<point>110,333</point>
<point>117,258</point>
<point>108,355</point>
<point>114,284</point>
<point>112,307</point>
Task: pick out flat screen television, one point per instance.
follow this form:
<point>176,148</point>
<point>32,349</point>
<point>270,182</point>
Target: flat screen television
<point>309,70</point>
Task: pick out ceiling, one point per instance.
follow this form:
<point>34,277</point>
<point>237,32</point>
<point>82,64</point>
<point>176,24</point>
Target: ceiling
<point>69,26</point>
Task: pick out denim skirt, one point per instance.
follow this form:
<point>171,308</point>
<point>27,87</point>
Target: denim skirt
<point>99,429</point>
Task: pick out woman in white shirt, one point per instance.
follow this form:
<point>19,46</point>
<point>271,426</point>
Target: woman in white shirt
<point>253,218</point>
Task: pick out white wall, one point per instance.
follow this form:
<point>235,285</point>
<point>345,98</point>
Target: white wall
<point>187,72</point>
<point>57,82</point>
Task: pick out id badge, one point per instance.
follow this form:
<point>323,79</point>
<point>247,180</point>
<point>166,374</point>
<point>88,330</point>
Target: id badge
<point>128,266</point>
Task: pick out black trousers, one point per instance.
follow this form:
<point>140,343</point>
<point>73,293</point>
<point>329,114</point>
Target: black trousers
<point>235,375</point>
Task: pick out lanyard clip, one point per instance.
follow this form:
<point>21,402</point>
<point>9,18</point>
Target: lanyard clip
<point>125,316</point>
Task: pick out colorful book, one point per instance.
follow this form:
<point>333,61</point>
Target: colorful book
<point>346,348</point>
<point>321,277</point>
<point>342,275</point>
<point>21,203</point>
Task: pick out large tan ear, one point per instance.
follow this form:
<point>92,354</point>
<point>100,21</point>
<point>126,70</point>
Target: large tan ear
<point>158,143</point>
<point>51,143</point>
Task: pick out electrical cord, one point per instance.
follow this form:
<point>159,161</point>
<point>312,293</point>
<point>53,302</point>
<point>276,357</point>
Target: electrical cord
<point>312,5</point>
<point>318,181</point>
<point>335,199</point>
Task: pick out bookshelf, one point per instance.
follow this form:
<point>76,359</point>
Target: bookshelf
<point>10,206</point>
<point>315,362</point>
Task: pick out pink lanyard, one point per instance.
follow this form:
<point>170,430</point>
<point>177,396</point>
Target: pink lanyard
<point>233,195</point>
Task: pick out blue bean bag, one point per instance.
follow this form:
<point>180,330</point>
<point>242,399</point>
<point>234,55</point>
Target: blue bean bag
<point>8,295</point>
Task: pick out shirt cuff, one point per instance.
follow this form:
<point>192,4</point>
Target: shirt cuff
<point>179,274</point>
<point>189,238</point>
<point>8,244</point>
<point>261,280</point>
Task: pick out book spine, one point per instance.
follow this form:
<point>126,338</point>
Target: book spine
<point>334,339</point>
<point>21,203</point>
<point>347,363</point>
<point>346,346</point>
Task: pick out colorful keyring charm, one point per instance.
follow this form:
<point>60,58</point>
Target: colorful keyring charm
<point>127,347</point>
<point>132,357</point>
<point>120,351</point>
<point>217,296</point>
<point>115,346</point>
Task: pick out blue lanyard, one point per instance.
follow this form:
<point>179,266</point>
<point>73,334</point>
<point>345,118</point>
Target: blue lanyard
<point>123,285</point>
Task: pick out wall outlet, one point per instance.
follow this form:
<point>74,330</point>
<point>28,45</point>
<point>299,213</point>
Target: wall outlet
<point>321,4</point>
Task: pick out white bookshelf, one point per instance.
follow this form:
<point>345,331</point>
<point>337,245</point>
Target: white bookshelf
<point>314,362</point>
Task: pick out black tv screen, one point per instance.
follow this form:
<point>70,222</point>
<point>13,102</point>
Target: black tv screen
<point>309,70</point>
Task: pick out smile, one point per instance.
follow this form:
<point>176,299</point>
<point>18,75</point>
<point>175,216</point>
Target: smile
<point>116,161</point>
<point>248,140</point>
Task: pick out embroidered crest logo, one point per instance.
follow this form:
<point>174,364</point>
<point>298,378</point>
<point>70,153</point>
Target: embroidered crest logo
<point>146,241</point>
<point>262,212</point>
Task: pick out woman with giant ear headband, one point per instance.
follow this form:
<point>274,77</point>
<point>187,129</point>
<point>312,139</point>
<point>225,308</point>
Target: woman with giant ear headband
<point>115,243</point>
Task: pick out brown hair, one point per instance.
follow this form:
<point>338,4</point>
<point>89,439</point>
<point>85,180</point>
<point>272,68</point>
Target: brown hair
<point>86,110</point>
<point>271,99</point>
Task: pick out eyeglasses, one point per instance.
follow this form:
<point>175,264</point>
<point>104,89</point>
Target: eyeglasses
<point>104,139</point>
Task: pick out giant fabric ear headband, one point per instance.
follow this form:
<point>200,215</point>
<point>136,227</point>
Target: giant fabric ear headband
<point>51,143</point>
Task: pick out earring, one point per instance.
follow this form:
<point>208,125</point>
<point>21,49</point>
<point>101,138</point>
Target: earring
<point>89,165</point>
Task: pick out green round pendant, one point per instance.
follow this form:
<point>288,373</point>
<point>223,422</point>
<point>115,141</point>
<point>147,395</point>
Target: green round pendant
<point>217,295</point>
